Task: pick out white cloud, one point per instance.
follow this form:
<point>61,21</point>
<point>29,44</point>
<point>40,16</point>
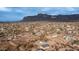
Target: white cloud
<point>20,11</point>
<point>68,9</point>
<point>71,9</point>
<point>45,9</point>
<point>5,9</point>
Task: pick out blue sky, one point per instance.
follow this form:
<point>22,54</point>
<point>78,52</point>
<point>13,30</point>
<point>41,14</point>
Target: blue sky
<point>17,13</point>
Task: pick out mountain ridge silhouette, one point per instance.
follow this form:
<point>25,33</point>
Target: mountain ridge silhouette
<point>55,18</point>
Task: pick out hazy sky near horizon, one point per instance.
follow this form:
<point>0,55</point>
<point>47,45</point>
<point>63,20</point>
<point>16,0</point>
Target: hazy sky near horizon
<point>17,13</point>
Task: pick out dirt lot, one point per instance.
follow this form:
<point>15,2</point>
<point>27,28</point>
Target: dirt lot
<point>39,36</point>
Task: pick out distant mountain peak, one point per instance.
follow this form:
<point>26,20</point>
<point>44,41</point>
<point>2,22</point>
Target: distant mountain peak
<point>56,18</point>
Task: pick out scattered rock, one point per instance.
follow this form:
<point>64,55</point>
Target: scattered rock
<point>42,44</point>
<point>26,28</point>
<point>12,43</point>
<point>39,37</point>
<point>68,38</point>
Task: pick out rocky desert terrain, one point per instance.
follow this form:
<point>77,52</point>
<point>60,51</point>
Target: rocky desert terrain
<point>39,36</point>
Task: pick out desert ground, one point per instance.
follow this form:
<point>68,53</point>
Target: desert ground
<point>39,36</point>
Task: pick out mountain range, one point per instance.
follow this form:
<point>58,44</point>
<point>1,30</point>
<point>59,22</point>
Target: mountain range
<point>54,18</point>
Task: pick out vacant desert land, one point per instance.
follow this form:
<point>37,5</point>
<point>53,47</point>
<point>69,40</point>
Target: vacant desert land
<point>39,36</point>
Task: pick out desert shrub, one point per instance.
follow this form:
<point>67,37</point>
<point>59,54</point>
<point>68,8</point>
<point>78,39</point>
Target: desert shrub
<point>76,42</point>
